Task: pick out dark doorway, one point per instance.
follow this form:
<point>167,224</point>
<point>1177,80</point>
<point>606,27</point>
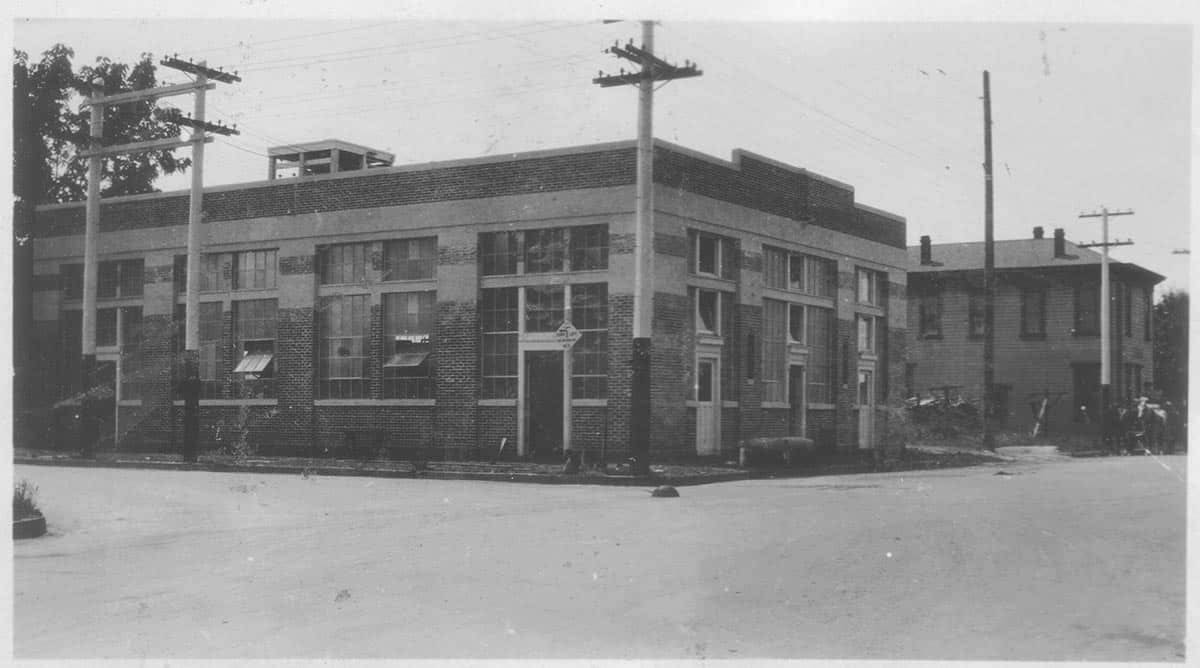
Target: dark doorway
<point>1087,393</point>
<point>544,404</point>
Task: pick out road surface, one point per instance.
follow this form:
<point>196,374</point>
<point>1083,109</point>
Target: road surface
<point>1031,560</point>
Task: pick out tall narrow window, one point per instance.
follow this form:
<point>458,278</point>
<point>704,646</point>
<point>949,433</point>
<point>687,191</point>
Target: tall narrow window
<point>774,354</point>
<point>131,352</point>
<point>106,327</point>
<point>216,272</point>
<point>1147,313</point>
<point>589,247</point>
<point>866,333</point>
<point>1087,310</point>
<point>408,345</point>
<point>545,250</point>
<point>868,286</point>
<point>211,367</point>
<point>1033,312</point>
<point>708,311</point>
<point>255,270</point>
<point>499,321</point>
<point>929,307</point>
<point>410,259</point>
<point>821,358</point>
<point>796,323</point>
<point>342,264</point>
<point>589,355</point>
<point>820,276</point>
<point>71,277</point>
<point>255,327</point>
<point>975,314</point>
<point>498,253</point>
<point>708,255</point>
<point>775,268</point>
<point>343,346</point>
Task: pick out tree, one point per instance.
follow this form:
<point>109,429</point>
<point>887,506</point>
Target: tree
<point>51,125</point>
<point>1171,345</point>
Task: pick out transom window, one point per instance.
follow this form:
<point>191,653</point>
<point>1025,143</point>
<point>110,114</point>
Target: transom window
<point>869,286</point>
<point>410,259</point>
<point>343,264</point>
<point>799,272</point>
<point>712,255</point>
<point>583,248</point>
<point>119,278</point>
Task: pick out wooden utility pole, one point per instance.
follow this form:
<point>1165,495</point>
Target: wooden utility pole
<point>989,270</point>
<point>653,69</point>
<point>95,153</point>
<point>1105,334</point>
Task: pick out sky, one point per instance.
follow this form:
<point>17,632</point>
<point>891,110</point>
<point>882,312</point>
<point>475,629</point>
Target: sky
<point>1088,111</point>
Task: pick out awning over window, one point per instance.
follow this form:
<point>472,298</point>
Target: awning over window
<point>406,360</point>
<point>254,363</point>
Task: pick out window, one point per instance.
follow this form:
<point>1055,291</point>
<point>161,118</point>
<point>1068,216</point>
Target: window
<point>929,308</point>
<point>774,355</point>
<point>544,308</point>
<point>796,323</point>
<point>342,351</point>
<point>498,313</point>
<point>342,264</point>
<point>255,270</point>
<point>410,259</point>
<point>976,315</point>
<point>589,356</point>
<point>589,247</point>
<point>70,330</point>
<point>216,272</point>
<point>255,325</point>
<point>820,276</point>
<point>819,337</point>
<point>119,278</point>
<point>775,268</point>
<point>408,319</point>
<point>211,363</point>
<point>498,253</point>
<point>1087,310</point>
<point>71,281</point>
<point>131,352</point>
<point>106,327</point>
<point>1147,313</point>
<point>866,333</point>
<point>1033,312</point>
<point>869,286</point>
<point>713,255</point>
<point>1126,309</point>
<point>545,250</point>
<point>708,311</point>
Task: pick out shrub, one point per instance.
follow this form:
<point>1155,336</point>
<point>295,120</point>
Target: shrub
<point>23,500</point>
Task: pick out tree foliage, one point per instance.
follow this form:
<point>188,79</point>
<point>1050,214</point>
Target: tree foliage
<point>1171,344</point>
<point>52,125</point>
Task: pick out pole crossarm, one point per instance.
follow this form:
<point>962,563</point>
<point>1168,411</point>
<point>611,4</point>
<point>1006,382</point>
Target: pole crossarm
<point>176,117</point>
<point>1099,244</point>
<point>199,69</point>
<point>1101,214</point>
<point>148,94</point>
<point>653,68</point>
<point>152,145</point>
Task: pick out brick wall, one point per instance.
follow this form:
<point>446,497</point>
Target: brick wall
<point>620,372</point>
<point>669,366</point>
<point>457,380</point>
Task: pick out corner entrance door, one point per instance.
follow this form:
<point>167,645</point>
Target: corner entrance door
<point>708,406</point>
<point>544,404</point>
<point>866,408</point>
<point>796,421</point>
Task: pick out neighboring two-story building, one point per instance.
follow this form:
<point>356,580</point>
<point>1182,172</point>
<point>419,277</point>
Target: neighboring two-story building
<point>360,302</point>
<point>1047,327</point>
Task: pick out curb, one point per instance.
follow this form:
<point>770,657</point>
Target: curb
<point>30,527</point>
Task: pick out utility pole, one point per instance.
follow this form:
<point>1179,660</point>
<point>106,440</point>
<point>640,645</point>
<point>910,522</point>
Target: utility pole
<point>95,153</point>
<point>191,349</point>
<point>653,69</point>
<point>1105,334</point>
<point>989,270</point>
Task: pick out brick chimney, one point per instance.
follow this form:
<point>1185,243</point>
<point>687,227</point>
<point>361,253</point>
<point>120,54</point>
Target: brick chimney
<point>1038,232</point>
<point>1060,243</point>
<point>926,250</point>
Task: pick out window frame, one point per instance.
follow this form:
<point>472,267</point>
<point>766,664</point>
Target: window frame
<point>409,382</point>
<point>423,267</point>
<point>263,313</point>
<point>976,314</point>
<point>1086,320</point>
<point>348,386</point>
<point>929,314</point>
<point>1026,331</point>
<point>326,262</point>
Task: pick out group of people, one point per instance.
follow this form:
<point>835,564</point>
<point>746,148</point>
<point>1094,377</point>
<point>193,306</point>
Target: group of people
<point>1143,424</point>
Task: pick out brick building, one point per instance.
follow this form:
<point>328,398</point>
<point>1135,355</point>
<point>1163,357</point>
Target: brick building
<point>362,304</point>
<point>1047,319</point>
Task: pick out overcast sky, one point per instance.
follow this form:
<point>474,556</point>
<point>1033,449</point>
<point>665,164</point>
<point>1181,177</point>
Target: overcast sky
<point>1085,114</point>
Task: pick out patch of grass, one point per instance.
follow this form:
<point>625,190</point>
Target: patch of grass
<point>24,505</point>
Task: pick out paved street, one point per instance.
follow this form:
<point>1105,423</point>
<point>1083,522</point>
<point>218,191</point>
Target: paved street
<point>1061,559</point>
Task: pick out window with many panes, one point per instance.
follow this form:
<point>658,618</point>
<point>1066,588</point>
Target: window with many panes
<point>802,273</point>
<point>211,362</point>
<point>408,344</point>
<point>216,272</point>
<point>774,350</point>
<point>254,329</point>
<point>866,330</point>
<point>929,314</point>
<point>71,281</point>
<point>119,278</point>
<point>975,314</point>
<point>589,355</point>
<point>254,270</point>
<point>498,317</point>
<point>869,286</point>
<point>544,308</point>
<point>343,264</point>
<point>106,327</point>
<point>342,351</point>
<point>583,248</point>
<point>819,338</point>
<point>1087,310</point>
<point>796,322</point>
<point>410,259</point>
<point>1033,312</point>
<point>132,379</point>
<point>712,255</point>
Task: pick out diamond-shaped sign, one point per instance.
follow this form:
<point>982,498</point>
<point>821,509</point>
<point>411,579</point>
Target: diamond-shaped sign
<point>567,335</point>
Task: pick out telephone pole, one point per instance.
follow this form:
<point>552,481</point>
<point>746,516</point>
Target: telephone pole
<point>653,69</point>
<point>96,152</point>
<point>1105,334</point>
<point>989,269</point>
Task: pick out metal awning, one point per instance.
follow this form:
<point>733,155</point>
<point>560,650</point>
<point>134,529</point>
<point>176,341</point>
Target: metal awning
<point>406,360</point>
<point>254,363</point>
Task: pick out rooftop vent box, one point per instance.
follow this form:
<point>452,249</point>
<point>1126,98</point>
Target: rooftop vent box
<point>328,156</point>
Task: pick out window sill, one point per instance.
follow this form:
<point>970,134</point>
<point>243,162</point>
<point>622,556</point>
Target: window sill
<point>497,402</point>
<point>596,403</point>
<point>776,405</point>
<point>374,402</point>
<point>231,402</point>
